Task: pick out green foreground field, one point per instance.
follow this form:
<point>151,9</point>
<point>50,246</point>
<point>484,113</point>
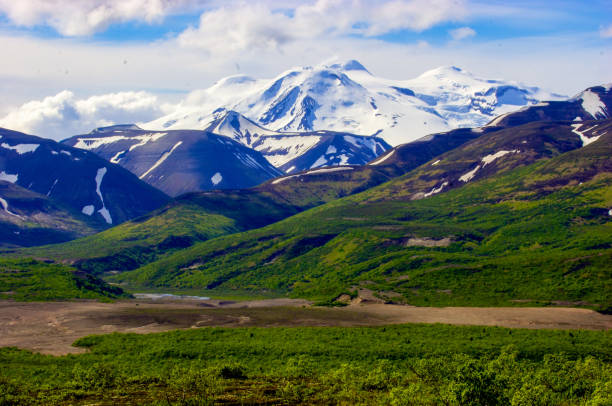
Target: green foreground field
<point>392,365</point>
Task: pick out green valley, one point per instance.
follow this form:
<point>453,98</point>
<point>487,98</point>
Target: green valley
<point>534,235</point>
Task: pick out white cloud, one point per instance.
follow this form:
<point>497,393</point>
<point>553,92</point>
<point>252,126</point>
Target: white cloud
<point>462,33</point>
<point>85,17</point>
<point>63,115</point>
<point>259,25</point>
<point>606,32</point>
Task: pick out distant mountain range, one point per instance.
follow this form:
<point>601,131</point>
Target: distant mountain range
<point>269,136</point>
<point>514,211</point>
<point>346,97</point>
<point>456,158</point>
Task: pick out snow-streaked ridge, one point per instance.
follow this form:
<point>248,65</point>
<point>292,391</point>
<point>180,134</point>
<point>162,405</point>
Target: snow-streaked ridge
<point>161,160</point>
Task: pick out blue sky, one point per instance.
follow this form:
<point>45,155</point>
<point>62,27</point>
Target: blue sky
<point>520,19</point>
<point>167,48</point>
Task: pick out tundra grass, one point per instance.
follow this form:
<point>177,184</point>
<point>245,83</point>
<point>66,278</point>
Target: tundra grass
<point>393,365</point>
<point>31,280</point>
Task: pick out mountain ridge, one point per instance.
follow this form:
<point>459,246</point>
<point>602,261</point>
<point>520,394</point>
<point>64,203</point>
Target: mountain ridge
<point>346,97</point>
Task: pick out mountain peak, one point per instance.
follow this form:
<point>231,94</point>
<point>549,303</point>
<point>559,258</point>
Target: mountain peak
<point>445,71</point>
<point>349,65</point>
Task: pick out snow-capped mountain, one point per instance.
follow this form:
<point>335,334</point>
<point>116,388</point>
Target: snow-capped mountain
<point>298,151</point>
<point>346,97</point>
<point>178,161</point>
<point>80,180</point>
<point>594,103</point>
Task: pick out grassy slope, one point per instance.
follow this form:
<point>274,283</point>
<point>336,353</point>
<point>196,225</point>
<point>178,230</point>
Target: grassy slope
<point>410,364</point>
<point>248,209</point>
<point>536,234</point>
<point>30,280</point>
<point>141,240</point>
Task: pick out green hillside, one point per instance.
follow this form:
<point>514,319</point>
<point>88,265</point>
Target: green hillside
<point>199,216</point>
<point>139,241</point>
<point>30,280</point>
<point>408,365</point>
<point>538,234</point>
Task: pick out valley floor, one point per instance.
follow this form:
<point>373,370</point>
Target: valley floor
<point>52,327</point>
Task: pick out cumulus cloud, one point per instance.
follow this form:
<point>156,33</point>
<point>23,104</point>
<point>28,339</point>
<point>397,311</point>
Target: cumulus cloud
<point>606,32</point>
<point>84,17</point>
<point>462,33</point>
<point>63,115</point>
<point>259,25</point>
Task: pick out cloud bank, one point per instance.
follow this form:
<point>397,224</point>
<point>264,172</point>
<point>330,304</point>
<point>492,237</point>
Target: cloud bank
<point>85,17</point>
<point>257,25</point>
<point>64,115</point>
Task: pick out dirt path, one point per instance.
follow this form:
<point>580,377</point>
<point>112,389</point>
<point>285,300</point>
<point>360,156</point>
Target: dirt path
<point>52,327</point>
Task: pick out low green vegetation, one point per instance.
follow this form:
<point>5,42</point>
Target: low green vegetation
<point>537,235</point>
<point>408,365</point>
<point>31,280</point>
<point>140,241</point>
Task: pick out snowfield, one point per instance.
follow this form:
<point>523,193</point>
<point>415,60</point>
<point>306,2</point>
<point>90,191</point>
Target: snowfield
<point>346,97</point>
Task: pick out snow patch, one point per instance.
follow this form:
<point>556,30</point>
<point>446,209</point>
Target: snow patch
<point>9,177</point>
<point>90,143</point>
<point>497,120</point>
<point>103,211</point>
<point>326,170</point>
<point>161,160</point>
<point>88,210</point>
<point>470,175</point>
<point>435,163</point>
<point>5,206</point>
<point>21,148</point>
<point>593,104</point>
<point>492,157</point>
<point>578,118</point>
<point>279,150</point>
<point>216,178</point>
<point>314,172</point>
<point>115,159</point>
<point>383,158</point>
<point>436,190</point>
<point>319,162</point>
<point>585,140</point>
<point>279,180</point>
<point>331,150</point>
<point>344,159</point>
<point>291,169</point>
<point>52,186</point>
